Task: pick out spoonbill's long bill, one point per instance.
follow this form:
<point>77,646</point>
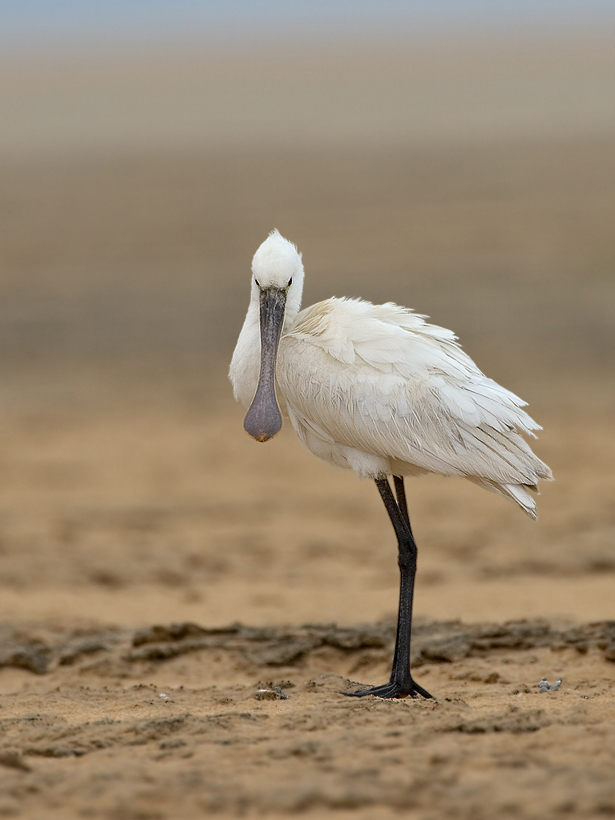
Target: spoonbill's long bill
<point>377,389</point>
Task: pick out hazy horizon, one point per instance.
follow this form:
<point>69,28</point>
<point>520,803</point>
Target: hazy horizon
<point>69,24</point>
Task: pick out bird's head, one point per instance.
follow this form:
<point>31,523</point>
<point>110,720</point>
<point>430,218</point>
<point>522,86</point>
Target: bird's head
<point>277,284</point>
<point>277,266</point>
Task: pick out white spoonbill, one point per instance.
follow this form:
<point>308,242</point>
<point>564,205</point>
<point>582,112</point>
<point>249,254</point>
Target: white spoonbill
<point>377,389</point>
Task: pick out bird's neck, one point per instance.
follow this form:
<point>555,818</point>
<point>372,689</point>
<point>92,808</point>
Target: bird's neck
<point>293,303</point>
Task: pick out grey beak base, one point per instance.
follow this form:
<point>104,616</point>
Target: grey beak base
<point>263,420</point>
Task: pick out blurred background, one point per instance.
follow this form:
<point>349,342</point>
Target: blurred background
<point>457,158</point>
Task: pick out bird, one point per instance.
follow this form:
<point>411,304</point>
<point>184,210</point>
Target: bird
<point>379,390</point>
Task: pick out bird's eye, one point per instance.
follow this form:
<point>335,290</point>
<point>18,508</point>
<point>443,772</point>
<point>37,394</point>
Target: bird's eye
<point>256,282</point>
<point>290,281</point>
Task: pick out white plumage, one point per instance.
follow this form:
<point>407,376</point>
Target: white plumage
<point>377,389</point>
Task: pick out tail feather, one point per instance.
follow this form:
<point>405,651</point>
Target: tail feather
<point>519,493</point>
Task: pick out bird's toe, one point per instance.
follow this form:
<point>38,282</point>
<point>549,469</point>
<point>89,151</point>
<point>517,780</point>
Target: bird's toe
<point>392,690</point>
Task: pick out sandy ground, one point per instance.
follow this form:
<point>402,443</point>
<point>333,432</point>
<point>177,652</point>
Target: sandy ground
<point>181,607</point>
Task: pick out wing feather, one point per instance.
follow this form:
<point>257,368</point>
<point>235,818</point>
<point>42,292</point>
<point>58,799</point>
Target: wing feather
<point>383,381</point>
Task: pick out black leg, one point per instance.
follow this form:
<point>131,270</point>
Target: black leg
<point>400,492</point>
<point>401,684</point>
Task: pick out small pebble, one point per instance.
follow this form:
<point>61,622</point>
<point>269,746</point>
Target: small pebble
<point>545,686</point>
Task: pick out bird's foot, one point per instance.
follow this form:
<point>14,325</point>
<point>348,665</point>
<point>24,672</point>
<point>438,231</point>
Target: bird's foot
<point>392,689</point>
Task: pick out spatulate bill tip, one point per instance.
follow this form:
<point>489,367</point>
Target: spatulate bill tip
<point>263,426</point>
